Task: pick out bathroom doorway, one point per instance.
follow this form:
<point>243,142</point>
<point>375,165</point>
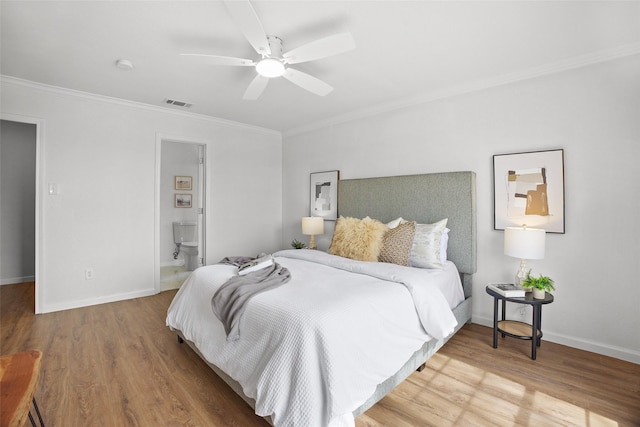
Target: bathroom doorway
<point>182,199</point>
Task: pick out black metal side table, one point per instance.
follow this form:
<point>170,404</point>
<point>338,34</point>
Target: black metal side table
<point>518,329</point>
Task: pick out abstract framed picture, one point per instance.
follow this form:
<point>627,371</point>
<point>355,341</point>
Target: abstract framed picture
<point>528,189</point>
<point>183,183</point>
<point>182,201</point>
<point>324,194</point>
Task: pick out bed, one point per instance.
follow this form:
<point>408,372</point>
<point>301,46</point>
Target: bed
<point>342,333</point>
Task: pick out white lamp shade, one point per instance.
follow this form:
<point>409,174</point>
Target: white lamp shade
<point>524,243</point>
<point>312,225</point>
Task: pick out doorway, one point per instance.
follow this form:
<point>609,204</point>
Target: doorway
<point>181,200</point>
<point>20,216</point>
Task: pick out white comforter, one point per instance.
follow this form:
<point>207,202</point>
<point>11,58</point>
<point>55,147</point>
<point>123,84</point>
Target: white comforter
<point>314,349</point>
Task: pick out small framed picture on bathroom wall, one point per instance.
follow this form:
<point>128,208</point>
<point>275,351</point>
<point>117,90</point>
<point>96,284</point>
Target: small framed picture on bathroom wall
<point>183,200</point>
<point>183,183</point>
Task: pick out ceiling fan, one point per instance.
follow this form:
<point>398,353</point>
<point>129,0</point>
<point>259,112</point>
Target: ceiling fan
<point>273,62</point>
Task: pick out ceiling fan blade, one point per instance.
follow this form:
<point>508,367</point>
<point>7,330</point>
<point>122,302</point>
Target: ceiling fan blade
<point>247,20</point>
<point>222,60</point>
<point>305,81</point>
<point>256,87</point>
<point>322,48</point>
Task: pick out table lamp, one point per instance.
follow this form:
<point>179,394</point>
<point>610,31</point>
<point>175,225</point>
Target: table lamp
<point>312,225</point>
<point>524,243</point>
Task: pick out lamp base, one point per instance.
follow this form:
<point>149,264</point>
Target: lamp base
<point>312,242</point>
<point>522,273</point>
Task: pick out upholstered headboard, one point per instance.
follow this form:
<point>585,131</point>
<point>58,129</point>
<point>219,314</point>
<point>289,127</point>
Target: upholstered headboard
<point>425,199</point>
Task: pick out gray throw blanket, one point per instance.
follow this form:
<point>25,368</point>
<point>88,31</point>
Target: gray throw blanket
<point>230,300</point>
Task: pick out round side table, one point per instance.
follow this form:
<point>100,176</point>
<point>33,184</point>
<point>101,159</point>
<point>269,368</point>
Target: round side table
<point>516,329</point>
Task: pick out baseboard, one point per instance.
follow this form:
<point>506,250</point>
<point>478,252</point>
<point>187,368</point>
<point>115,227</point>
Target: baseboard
<point>170,286</point>
<point>15,280</point>
<point>595,347</point>
<point>68,305</point>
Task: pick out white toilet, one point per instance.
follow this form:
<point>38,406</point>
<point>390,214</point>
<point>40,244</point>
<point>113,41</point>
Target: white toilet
<point>185,236</point>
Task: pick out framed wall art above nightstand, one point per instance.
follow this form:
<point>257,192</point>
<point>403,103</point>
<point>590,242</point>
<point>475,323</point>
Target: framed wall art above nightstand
<point>324,194</point>
<point>529,190</point>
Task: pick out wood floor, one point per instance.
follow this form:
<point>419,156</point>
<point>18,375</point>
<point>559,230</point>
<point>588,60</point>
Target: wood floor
<point>119,365</point>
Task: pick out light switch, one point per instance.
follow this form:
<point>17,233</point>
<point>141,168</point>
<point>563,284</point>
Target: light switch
<point>54,189</point>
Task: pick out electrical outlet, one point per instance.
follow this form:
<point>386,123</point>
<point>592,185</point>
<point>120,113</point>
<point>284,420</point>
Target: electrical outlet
<point>88,274</point>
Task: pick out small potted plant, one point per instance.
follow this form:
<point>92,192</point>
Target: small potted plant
<point>296,244</point>
<point>540,285</point>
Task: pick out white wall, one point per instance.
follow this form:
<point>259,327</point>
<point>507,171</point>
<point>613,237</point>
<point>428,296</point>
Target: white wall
<point>593,113</point>
<point>18,201</point>
<point>102,154</point>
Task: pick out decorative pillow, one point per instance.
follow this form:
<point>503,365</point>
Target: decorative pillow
<point>444,241</point>
<point>396,244</point>
<point>359,239</point>
<point>426,248</point>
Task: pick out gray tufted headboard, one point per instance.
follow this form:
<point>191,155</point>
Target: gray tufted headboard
<point>425,199</point>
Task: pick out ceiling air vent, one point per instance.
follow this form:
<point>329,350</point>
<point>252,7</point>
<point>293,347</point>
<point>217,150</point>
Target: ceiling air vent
<point>177,103</point>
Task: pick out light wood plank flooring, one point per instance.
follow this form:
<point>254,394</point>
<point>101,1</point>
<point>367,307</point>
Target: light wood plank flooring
<point>119,365</point>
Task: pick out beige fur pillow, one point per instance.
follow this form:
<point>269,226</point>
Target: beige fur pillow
<point>359,239</point>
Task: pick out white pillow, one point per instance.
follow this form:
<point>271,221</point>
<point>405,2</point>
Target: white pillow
<point>426,251</point>
<point>444,243</point>
<point>396,222</point>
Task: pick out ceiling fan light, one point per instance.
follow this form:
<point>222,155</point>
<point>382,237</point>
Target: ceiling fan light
<point>270,67</point>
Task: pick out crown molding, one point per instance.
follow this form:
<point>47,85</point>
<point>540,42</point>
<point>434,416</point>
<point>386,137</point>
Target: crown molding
<point>501,80</point>
<point>132,104</point>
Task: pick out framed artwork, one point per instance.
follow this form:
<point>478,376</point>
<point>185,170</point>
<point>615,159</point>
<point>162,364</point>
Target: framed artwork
<point>183,200</point>
<point>324,194</point>
<point>183,183</point>
<point>528,188</point>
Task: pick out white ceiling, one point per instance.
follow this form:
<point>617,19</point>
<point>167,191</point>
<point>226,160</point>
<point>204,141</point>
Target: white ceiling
<point>406,51</point>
